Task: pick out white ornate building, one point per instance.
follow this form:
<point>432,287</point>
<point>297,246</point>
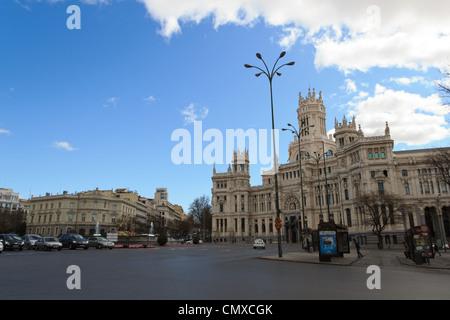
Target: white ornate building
<point>353,164</point>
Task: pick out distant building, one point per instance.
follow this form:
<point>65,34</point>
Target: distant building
<point>114,211</point>
<point>9,199</point>
<point>349,164</point>
<point>169,213</point>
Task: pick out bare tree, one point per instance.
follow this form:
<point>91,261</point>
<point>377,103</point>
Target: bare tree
<point>444,85</point>
<point>440,159</point>
<point>200,209</point>
<point>12,221</point>
<point>379,211</point>
<point>184,227</point>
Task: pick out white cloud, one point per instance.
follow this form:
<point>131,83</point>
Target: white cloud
<point>4,131</point>
<point>290,37</point>
<point>351,35</point>
<point>350,86</point>
<point>407,81</point>
<point>412,119</point>
<point>111,102</point>
<point>191,114</point>
<point>22,5</point>
<point>379,89</point>
<point>149,99</point>
<point>63,145</point>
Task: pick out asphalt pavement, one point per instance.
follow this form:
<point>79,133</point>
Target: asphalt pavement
<point>387,257</point>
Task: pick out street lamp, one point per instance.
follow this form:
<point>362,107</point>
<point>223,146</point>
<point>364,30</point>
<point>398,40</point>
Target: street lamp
<point>318,157</point>
<point>270,75</point>
<point>440,220</point>
<point>326,182</point>
<point>298,134</point>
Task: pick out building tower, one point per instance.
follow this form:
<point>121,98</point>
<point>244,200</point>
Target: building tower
<point>311,116</point>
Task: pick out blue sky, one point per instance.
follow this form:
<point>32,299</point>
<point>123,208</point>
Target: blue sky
<point>96,106</point>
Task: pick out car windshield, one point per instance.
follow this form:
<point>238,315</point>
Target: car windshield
<point>102,239</point>
<point>51,239</point>
<point>77,236</point>
<point>34,237</point>
<point>17,238</point>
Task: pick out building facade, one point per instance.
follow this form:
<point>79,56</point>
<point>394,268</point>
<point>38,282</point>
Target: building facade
<point>114,211</point>
<point>9,199</point>
<point>336,170</point>
<point>169,214</point>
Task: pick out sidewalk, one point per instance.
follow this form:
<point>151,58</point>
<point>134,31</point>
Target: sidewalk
<point>387,257</point>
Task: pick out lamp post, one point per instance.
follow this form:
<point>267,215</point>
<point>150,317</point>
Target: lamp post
<point>441,223</point>
<point>298,134</point>
<point>326,182</point>
<point>318,157</point>
<point>270,75</point>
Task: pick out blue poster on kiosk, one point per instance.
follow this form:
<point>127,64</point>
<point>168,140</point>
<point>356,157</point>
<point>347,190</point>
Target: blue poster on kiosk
<point>327,240</point>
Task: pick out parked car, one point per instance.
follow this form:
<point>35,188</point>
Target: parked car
<point>48,243</point>
<point>259,243</point>
<point>11,241</point>
<point>29,240</point>
<point>100,242</point>
<point>73,241</point>
<point>1,246</point>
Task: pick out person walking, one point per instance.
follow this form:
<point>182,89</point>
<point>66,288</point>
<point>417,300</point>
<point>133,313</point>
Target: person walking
<point>436,248</point>
<point>358,248</point>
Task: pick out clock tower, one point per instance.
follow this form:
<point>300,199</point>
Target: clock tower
<point>311,116</point>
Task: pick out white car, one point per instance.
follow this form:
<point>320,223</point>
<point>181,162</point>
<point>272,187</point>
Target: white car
<point>1,246</point>
<point>48,243</point>
<point>259,243</point>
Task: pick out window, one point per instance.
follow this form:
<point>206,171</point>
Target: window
<point>406,186</point>
<point>221,208</point>
<point>426,187</point>
<point>380,188</point>
<point>349,217</point>
<point>404,173</point>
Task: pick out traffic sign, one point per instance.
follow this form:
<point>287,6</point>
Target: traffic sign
<point>278,223</point>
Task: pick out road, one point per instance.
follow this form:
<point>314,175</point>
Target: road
<point>209,272</point>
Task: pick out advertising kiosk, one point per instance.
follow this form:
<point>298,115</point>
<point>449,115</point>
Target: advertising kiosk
<point>333,241</point>
<point>418,244</point>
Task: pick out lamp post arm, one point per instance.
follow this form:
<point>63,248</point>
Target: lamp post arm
<point>273,69</point>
